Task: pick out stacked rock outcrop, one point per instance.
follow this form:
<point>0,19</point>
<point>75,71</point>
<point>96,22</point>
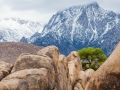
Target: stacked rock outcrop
<point>47,69</point>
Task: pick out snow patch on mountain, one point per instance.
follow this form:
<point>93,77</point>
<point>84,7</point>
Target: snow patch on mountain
<point>13,29</point>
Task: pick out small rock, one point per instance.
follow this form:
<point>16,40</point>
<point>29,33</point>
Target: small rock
<point>5,69</point>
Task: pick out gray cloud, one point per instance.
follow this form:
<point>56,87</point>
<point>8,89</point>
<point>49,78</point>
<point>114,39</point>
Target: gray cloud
<point>55,5</point>
<point>43,9</point>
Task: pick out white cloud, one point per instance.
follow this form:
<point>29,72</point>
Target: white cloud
<point>42,10</point>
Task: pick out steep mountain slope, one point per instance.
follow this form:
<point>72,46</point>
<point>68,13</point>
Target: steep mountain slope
<point>13,29</point>
<point>9,51</point>
<point>81,26</point>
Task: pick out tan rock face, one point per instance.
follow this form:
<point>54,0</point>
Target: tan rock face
<point>84,77</point>
<point>53,53</point>
<point>27,79</point>
<point>14,84</point>
<point>63,73</point>
<point>107,77</point>
<point>5,69</point>
<point>63,61</point>
<point>74,65</point>
<point>78,86</point>
<point>29,61</point>
<point>89,73</point>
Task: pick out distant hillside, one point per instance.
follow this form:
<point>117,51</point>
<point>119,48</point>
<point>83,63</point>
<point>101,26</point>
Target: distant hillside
<point>9,51</point>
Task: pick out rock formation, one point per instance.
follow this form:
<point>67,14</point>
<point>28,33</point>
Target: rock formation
<point>107,77</point>
<point>74,66</point>
<point>63,77</point>
<point>53,53</point>
<point>49,70</point>
<point>5,69</point>
<point>29,61</point>
<point>34,79</point>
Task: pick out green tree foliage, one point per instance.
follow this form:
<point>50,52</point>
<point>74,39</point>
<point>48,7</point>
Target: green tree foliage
<point>91,57</point>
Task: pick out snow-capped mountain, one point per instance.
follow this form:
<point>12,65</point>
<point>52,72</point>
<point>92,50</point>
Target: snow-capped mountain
<point>81,26</point>
<point>13,29</point>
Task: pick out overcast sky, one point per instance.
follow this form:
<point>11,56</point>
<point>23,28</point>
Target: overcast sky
<point>42,10</point>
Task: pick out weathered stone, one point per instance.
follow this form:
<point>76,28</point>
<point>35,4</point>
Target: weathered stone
<point>5,69</point>
<point>14,84</point>
<point>74,65</point>
<point>29,61</point>
<point>34,79</point>
<point>53,53</point>
<point>89,73</point>
<point>63,73</point>
<point>107,77</point>
<point>63,61</point>
<point>3,87</point>
<point>78,86</point>
<point>84,77</point>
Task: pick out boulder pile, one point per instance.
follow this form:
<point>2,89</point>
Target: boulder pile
<point>47,69</point>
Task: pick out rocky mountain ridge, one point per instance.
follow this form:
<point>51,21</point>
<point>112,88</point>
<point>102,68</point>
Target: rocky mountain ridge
<point>81,26</point>
<point>13,29</point>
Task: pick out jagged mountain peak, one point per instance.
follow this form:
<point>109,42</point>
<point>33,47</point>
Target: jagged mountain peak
<point>95,4</point>
<point>73,15</point>
<point>79,7</point>
<point>81,26</point>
